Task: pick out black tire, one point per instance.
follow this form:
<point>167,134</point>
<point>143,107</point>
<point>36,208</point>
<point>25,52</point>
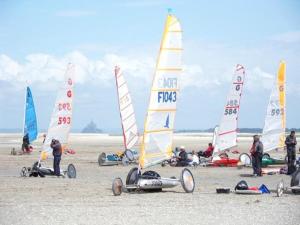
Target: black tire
<point>102,159</point>
<point>71,171</point>
<point>129,154</point>
<point>245,158</point>
<point>266,156</point>
<point>163,163</point>
<point>295,181</point>
<point>132,178</point>
<point>117,186</point>
<point>187,180</point>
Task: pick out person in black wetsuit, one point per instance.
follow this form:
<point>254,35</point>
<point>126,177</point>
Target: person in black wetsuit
<point>57,152</point>
<point>257,151</point>
<point>291,143</point>
<point>182,159</point>
<point>25,144</point>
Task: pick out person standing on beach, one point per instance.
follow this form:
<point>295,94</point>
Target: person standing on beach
<point>57,152</point>
<point>291,143</point>
<point>257,151</point>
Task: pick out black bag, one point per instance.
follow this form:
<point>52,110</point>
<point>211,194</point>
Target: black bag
<point>242,185</point>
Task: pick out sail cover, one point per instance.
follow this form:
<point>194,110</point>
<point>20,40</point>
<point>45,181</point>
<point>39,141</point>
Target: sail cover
<point>128,121</point>
<point>61,118</point>
<point>30,123</point>
<point>274,129</point>
<point>159,123</point>
<point>227,132</point>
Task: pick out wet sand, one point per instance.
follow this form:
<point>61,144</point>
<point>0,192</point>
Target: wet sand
<point>89,200</point>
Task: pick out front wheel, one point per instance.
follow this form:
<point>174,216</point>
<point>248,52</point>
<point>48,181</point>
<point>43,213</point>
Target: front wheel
<point>266,156</point>
<point>295,181</point>
<point>187,181</point>
<point>71,171</point>
<point>280,188</point>
<point>245,159</point>
<point>117,186</point>
<point>101,158</point>
<point>24,172</point>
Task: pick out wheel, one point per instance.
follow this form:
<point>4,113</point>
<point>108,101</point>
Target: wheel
<point>245,159</point>
<point>117,186</point>
<point>129,154</point>
<point>187,181</point>
<point>286,159</point>
<point>266,156</point>
<point>295,181</point>
<point>24,172</point>
<point>125,161</point>
<point>71,171</point>
<point>102,159</point>
<point>132,178</point>
<point>280,188</point>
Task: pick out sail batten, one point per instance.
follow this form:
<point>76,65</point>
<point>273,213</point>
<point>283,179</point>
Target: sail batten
<point>127,115</point>
<point>160,118</point>
<point>274,128</point>
<point>61,118</point>
<point>226,136</point>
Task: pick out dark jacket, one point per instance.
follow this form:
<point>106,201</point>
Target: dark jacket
<point>291,143</point>
<point>183,156</point>
<point>257,148</point>
<point>57,150</point>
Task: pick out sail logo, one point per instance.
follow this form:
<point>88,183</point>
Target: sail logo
<point>167,83</point>
<point>167,124</point>
<point>69,93</point>
<point>166,96</point>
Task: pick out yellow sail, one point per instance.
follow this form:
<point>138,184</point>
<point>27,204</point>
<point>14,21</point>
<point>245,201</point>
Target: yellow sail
<point>159,123</point>
<point>274,129</point>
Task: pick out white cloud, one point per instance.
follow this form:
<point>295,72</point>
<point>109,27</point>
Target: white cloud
<point>75,13</point>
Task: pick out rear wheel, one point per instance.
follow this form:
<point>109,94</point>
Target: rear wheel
<point>280,188</point>
<point>266,156</point>
<point>24,172</point>
<point>132,178</point>
<point>295,181</point>
<point>245,159</point>
<point>101,158</point>
<point>71,171</point>
<point>187,181</point>
<point>129,154</point>
<point>125,161</point>
<point>117,186</point>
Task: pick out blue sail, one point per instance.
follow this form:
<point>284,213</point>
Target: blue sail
<point>30,126</point>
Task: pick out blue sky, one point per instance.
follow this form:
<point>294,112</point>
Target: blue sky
<point>39,38</point>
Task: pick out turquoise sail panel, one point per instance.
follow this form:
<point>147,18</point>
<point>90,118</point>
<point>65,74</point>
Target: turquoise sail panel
<point>30,126</point>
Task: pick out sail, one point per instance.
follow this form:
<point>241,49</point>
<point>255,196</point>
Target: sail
<point>274,129</point>
<point>227,132</point>
<point>128,121</point>
<point>159,122</point>
<point>30,122</point>
<point>61,118</point>
<point>215,135</point>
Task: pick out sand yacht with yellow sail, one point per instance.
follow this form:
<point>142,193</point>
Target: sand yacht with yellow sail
<point>159,123</point>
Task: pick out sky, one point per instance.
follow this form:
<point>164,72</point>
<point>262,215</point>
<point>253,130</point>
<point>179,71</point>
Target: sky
<point>39,38</point>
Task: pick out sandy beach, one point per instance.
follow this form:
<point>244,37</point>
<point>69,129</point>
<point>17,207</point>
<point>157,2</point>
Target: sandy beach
<point>88,199</point>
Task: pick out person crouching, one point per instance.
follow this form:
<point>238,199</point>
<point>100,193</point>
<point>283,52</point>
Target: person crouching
<point>256,151</point>
<point>57,152</point>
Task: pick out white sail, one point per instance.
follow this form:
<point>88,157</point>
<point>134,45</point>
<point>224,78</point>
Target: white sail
<point>130,130</point>
<point>215,135</point>
<point>159,123</point>
<point>61,118</point>
<point>274,129</point>
<point>227,132</point>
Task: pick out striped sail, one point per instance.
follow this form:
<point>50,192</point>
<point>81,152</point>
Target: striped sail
<point>30,123</point>
<point>128,121</point>
<point>227,132</point>
<point>61,119</point>
<point>274,129</point>
<point>159,123</point>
